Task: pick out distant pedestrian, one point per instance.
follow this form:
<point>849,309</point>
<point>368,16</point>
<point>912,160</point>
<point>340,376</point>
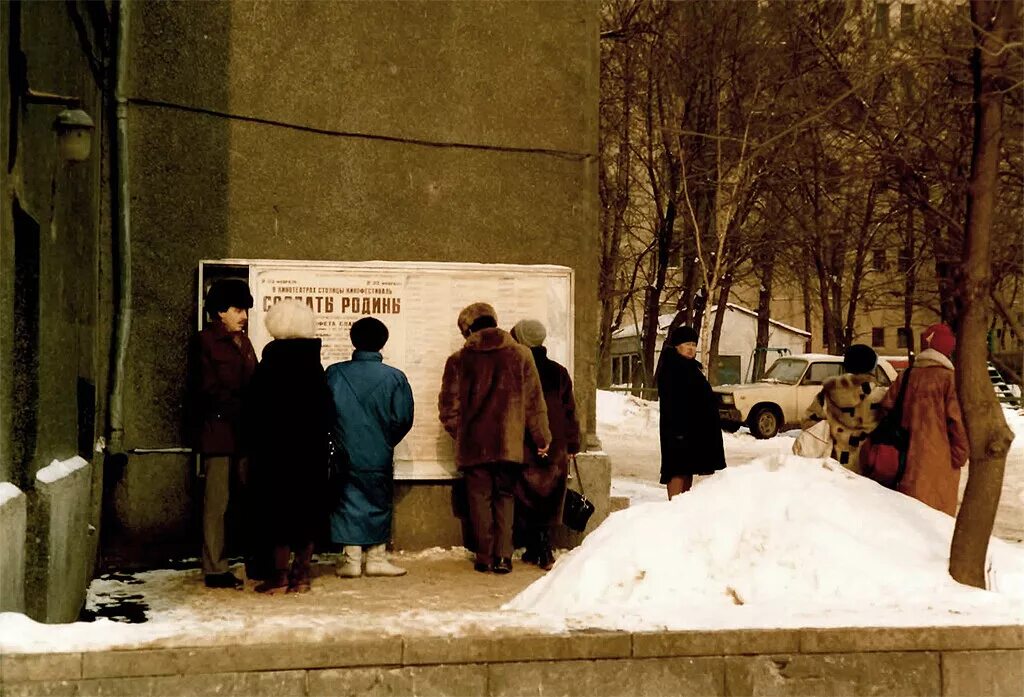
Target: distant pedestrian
<point>691,437</point>
<point>374,411</point>
<point>540,490</point>
<point>931,412</point>
<point>490,397</point>
<point>289,417</point>
<point>222,363</point>
<point>850,403</point>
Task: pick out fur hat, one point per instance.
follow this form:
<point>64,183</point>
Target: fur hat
<point>225,293</point>
<point>682,335</point>
<point>290,319</point>
<point>859,358</point>
<point>529,333</point>
<point>471,313</point>
<point>369,334</point>
<point>939,337</point>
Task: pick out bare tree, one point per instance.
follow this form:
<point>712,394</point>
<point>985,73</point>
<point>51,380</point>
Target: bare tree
<point>996,27</point>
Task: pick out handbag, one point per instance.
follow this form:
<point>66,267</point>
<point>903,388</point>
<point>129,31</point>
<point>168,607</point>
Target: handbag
<point>815,441</point>
<point>883,456</point>
<point>578,508</point>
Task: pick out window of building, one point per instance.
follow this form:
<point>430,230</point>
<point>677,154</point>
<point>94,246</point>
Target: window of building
<point>902,337</point>
<point>903,262</point>
<point>878,259</point>
<point>881,19</point>
<point>878,336</point>
<point>907,18</point>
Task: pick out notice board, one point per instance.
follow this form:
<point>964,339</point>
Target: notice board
<point>419,303</point>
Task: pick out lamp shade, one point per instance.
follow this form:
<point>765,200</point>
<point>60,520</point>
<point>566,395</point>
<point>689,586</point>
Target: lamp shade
<point>74,134</point>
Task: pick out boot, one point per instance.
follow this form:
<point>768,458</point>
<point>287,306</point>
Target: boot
<point>299,580</point>
<point>277,580</point>
<point>545,555</point>
<point>377,563</point>
<point>350,565</point>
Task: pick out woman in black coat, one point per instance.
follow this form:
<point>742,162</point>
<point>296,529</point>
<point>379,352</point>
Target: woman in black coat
<point>691,437</point>
<point>290,412</point>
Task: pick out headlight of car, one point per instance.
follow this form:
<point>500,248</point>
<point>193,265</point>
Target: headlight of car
<point>728,399</point>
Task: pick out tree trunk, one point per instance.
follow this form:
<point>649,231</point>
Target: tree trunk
<point>909,282</point>
<point>986,428</point>
<point>716,329</point>
<point>764,307</point>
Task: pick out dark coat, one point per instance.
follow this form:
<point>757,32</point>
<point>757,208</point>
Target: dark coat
<point>938,440</point>
<point>691,437</point>
<point>221,366</point>
<point>490,396</point>
<point>541,488</point>
<point>289,415</point>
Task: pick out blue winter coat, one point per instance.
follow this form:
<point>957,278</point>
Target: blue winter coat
<point>374,407</point>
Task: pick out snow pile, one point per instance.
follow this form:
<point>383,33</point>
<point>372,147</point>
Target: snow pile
<point>59,469</point>
<point>8,492</point>
<point>621,413</point>
<point>782,541</point>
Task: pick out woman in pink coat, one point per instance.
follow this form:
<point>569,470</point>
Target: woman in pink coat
<point>931,412</point>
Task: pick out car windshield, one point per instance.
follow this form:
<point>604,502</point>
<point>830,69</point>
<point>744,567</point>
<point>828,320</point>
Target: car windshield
<point>786,371</point>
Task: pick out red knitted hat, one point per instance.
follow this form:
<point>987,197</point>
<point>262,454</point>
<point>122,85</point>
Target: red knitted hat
<point>939,337</point>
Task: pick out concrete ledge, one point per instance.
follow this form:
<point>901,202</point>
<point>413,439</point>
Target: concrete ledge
<point>57,567</point>
<point>13,517</point>
<point>730,662</point>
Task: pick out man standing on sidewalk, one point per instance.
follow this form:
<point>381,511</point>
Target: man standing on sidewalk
<point>374,410</point>
<point>490,398</point>
<point>222,363</point>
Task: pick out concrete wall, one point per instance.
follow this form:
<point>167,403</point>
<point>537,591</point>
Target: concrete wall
<point>432,131</point>
<point>58,567</point>
<point>12,548</point>
<point>947,661</point>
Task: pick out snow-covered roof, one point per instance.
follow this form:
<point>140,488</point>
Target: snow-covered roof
<point>628,330</point>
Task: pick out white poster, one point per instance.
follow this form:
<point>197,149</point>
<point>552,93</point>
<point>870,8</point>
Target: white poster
<point>419,303</point>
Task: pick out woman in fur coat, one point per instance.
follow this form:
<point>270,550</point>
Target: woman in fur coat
<point>540,491</point>
<point>691,437</point>
<point>290,412</point>
<point>931,412</point>
<point>850,403</point>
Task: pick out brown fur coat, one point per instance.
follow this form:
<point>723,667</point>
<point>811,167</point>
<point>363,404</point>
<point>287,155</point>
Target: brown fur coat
<point>490,398</point>
<point>851,404</point>
<point>938,440</point>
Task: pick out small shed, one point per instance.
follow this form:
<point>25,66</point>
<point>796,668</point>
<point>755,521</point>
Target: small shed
<point>735,348</point>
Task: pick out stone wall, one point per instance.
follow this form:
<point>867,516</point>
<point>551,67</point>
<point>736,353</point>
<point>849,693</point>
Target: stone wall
<point>12,548</point>
<point>58,567</point>
<point>398,131</point>
<point>947,661</point>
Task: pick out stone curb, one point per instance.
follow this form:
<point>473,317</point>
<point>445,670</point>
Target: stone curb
<point>431,650</point>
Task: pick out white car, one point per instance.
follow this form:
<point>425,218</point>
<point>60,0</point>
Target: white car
<point>779,399</point>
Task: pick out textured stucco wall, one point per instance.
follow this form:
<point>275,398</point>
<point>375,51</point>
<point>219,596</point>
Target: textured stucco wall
<point>433,131</point>
<point>12,549</point>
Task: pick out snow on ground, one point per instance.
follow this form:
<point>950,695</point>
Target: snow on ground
<point>774,540</point>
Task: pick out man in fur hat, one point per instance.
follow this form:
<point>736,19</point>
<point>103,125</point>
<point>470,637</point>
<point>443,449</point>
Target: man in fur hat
<point>222,363</point>
<point>491,397</point>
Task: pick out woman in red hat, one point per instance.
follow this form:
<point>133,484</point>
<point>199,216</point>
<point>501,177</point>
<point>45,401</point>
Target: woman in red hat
<point>931,412</point>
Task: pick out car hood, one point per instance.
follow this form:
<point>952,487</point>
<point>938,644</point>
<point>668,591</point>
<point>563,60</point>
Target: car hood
<point>750,387</point>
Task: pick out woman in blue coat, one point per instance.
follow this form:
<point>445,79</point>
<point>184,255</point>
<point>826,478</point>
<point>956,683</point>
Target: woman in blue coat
<point>374,407</point>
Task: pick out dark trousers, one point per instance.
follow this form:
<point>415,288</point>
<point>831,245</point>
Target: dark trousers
<point>489,493</point>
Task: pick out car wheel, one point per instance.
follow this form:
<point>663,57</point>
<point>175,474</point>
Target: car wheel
<point>764,422</point>
<point>730,426</point>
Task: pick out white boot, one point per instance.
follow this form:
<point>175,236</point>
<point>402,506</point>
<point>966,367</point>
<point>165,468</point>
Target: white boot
<point>377,563</point>
<point>350,564</point>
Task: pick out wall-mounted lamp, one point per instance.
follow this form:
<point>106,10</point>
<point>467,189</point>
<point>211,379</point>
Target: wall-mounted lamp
<point>73,125</point>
